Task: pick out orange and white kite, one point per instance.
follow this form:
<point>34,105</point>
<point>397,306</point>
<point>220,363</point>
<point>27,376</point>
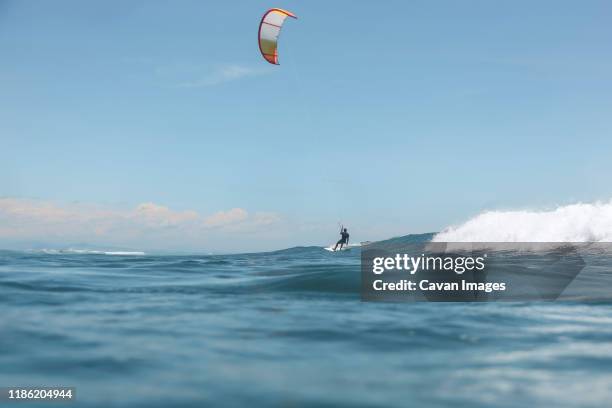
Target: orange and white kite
<point>269,29</point>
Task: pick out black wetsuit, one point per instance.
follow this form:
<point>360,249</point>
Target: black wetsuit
<point>343,240</point>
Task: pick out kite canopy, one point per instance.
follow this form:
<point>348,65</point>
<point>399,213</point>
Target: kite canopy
<point>269,29</point>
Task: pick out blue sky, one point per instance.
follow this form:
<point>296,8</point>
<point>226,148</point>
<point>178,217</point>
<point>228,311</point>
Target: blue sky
<point>395,117</point>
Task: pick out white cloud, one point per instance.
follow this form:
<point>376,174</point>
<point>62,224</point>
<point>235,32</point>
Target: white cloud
<point>148,225</point>
<point>154,215</point>
<point>226,217</point>
<point>223,74</point>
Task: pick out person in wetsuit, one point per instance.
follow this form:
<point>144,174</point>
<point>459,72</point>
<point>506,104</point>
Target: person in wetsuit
<point>344,238</point>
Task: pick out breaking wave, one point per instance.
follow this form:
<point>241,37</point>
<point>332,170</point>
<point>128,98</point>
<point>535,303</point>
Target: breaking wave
<point>571,223</point>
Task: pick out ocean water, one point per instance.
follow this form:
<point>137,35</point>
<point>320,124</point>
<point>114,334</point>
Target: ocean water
<point>283,328</point>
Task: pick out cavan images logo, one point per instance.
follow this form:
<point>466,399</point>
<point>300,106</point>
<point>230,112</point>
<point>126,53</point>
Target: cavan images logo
<point>467,272</point>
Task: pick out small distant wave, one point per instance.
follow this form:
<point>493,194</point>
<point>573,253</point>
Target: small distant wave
<point>571,223</point>
<point>295,250</point>
<point>128,253</point>
<point>89,252</point>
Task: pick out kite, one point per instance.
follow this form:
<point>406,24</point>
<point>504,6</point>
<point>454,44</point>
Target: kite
<point>269,29</point>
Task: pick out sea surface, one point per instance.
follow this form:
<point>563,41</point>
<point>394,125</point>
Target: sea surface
<point>284,328</point>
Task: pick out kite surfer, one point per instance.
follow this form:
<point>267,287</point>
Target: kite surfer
<point>344,238</point>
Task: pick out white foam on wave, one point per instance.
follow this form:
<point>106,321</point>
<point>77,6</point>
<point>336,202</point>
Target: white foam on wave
<point>91,252</point>
<point>571,223</point>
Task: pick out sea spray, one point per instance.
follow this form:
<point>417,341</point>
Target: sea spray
<point>571,223</point>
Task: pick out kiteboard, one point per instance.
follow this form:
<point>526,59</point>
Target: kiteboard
<point>344,247</point>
